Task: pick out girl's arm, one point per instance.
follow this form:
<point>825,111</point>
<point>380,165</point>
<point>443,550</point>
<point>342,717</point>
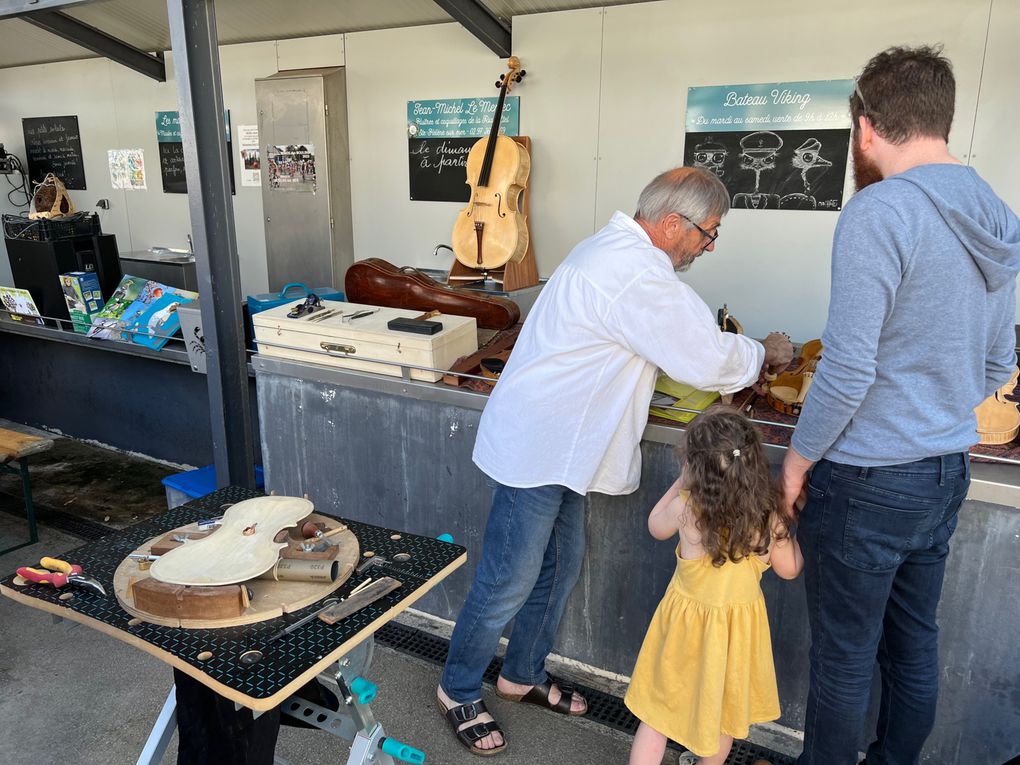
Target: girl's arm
<point>784,552</point>
<point>664,520</point>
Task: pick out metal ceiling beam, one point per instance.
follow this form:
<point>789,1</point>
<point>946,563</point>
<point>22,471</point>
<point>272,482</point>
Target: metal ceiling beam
<point>19,7</point>
<point>98,41</point>
<point>477,20</point>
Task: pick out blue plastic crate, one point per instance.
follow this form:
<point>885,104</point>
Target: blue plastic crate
<point>192,484</point>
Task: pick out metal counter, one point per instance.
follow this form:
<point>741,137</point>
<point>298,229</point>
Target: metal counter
<point>397,453</point>
<point>991,482</point>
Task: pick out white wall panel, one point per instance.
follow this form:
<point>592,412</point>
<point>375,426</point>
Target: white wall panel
<point>562,54</point>
<point>385,70</point>
<point>771,267</point>
<point>996,150</point>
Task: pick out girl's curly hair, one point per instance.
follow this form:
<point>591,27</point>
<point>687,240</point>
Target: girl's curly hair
<point>732,490</point>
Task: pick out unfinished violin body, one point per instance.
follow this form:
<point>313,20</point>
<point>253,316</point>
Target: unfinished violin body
<point>787,392</point>
<point>242,548</point>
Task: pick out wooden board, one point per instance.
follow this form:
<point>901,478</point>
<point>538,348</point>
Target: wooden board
<point>242,547</point>
<point>15,445</point>
<point>269,599</point>
<point>503,341</point>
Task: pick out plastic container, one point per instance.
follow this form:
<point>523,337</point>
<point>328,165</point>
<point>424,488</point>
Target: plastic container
<point>51,229</point>
<point>290,293</point>
<point>192,484</point>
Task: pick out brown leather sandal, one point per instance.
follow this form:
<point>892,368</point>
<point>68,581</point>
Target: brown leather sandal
<point>539,695</point>
<point>465,713</point>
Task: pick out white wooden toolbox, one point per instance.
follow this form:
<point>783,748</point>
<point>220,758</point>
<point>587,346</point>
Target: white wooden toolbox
<point>365,343</point>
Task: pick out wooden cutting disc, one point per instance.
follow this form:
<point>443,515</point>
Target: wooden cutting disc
<point>268,599</point>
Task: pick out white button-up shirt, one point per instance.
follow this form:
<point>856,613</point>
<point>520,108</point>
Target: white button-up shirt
<point>572,403</point>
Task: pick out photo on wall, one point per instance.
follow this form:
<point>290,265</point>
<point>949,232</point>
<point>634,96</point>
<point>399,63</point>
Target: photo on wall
<point>775,146</point>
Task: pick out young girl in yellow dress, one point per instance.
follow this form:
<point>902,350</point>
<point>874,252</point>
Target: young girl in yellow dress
<point>705,670</point>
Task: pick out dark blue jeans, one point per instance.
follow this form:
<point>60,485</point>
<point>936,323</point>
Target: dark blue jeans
<point>531,559</point>
<point>875,542</point>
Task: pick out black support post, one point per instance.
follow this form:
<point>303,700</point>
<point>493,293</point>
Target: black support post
<point>200,94</point>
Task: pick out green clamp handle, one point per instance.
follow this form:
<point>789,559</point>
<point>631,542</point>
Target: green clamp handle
<point>364,689</point>
<point>304,289</point>
<point>394,748</point>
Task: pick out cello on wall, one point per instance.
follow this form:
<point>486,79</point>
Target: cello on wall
<point>492,231</point>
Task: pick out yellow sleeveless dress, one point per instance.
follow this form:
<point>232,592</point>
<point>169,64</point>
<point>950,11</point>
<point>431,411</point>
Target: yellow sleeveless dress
<point>705,666</point>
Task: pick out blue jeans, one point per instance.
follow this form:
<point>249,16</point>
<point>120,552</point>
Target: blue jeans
<point>531,558</point>
<point>875,542</point>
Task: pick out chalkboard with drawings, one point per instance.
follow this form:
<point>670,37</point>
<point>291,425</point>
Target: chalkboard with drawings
<point>437,168</point>
<point>53,145</point>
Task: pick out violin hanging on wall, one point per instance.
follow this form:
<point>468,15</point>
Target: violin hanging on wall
<point>492,230</point>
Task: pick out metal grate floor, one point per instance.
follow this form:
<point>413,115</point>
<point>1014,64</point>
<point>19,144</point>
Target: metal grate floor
<point>603,708</point>
<point>71,524</point>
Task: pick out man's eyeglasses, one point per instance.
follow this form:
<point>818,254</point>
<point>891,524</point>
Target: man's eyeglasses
<point>864,104</point>
<point>710,235</point>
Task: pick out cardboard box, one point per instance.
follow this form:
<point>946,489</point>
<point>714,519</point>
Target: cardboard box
<point>83,296</point>
<point>366,343</point>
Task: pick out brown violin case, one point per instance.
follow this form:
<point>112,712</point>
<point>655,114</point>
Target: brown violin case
<point>377,282</point>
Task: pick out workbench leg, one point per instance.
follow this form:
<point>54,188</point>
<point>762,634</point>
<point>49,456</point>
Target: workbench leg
<point>162,732</point>
<point>26,488</point>
<point>26,491</point>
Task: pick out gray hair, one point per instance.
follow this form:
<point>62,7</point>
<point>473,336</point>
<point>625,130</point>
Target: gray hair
<point>689,191</point>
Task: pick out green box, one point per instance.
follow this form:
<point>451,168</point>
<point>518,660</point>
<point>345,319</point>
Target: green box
<point>83,296</point>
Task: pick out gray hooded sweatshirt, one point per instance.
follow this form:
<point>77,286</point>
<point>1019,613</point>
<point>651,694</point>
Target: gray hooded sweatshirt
<point>921,319</point>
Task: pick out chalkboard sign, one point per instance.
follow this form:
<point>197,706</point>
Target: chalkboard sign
<point>53,145</point>
<point>171,168</point>
<point>171,152</point>
<point>437,168</point>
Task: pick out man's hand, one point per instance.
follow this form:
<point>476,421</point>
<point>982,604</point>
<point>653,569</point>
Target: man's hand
<point>778,352</point>
<point>794,478</point>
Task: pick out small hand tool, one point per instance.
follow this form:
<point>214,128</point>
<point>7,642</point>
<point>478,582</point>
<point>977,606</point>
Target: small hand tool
<point>60,573</point>
<point>359,314</point>
<point>324,315</point>
<point>143,557</point>
<point>328,603</point>
<point>358,599</point>
<point>312,303</point>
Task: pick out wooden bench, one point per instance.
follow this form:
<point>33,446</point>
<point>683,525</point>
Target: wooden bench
<point>18,447</point>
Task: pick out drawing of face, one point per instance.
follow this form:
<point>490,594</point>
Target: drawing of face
<point>758,153</point>
<point>710,156</point>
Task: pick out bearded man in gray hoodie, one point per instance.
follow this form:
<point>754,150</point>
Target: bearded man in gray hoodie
<point>920,331</point>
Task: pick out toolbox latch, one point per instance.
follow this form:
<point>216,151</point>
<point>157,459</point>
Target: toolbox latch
<point>347,350</point>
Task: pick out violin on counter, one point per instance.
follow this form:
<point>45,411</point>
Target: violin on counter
<point>998,419</point>
<point>491,230</point>
<point>787,392</point>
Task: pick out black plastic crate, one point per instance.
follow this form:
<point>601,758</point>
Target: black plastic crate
<point>51,229</point>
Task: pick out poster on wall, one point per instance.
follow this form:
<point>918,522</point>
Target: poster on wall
<point>248,141</point>
<point>440,135</point>
<point>291,167</point>
<point>127,169</point>
<point>776,146</point>
<point>171,152</point>
<point>53,145</point>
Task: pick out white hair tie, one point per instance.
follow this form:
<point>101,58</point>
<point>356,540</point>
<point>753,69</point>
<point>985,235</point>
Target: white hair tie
<point>736,453</point>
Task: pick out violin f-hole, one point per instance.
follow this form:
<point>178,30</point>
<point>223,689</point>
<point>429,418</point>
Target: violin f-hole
<point>499,206</point>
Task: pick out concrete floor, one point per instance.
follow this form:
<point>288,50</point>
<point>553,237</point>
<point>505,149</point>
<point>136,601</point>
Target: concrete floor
<point>70,694</point>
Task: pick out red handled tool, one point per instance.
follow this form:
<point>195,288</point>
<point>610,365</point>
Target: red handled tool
<point>59,573</point>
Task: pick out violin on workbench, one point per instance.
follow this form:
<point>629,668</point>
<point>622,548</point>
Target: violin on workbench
<point>492,230</point>
<point>787,392</point>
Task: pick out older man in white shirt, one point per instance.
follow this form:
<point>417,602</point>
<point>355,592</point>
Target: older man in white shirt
<point>567,418</point>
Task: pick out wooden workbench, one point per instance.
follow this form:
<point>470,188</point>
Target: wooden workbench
<point>211,656</point>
